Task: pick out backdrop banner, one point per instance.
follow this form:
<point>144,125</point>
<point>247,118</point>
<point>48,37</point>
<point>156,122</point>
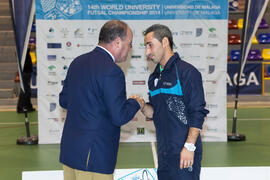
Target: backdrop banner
<point>69,28</point>
<point>250,80</point>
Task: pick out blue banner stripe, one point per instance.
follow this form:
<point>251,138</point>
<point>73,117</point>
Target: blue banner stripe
<point>132,10</point>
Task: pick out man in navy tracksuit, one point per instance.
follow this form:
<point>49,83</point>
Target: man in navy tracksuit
<point>94,94</point>
<point>177,107</point>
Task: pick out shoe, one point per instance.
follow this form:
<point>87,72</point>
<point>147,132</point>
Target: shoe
<point>28,110</point>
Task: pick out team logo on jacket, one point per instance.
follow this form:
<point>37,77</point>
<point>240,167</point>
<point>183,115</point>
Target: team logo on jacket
<point>155,82</point>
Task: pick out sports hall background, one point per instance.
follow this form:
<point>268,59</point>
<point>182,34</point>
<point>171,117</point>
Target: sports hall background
<point>253,116</point>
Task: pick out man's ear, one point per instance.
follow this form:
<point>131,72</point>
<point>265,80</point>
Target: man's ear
<point>117,42</point>
<point>165,42</point>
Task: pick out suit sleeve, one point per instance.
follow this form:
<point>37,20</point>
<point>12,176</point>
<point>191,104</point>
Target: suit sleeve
<point>194,97</point>
<point>121,109</point>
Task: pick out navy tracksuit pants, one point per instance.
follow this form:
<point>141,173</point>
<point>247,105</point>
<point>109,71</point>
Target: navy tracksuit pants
<point>169,169</point>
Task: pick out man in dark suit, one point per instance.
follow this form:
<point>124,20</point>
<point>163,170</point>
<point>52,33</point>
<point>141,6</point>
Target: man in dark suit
<point>94,94</point>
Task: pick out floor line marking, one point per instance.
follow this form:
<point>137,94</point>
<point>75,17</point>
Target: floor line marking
<point>154,152</point>
<point>244,119</point>
<point>16,123</point>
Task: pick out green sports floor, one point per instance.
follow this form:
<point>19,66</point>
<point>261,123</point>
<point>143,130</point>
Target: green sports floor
<point>255,151</point>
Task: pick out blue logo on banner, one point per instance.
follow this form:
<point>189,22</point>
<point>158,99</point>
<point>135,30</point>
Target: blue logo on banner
<point>54,45</point>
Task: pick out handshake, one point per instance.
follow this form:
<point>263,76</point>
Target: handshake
<point>146,109</point>
<point>139,100</point>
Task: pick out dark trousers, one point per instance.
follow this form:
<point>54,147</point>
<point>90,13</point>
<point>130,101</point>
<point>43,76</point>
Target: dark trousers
<point>25,98</point>
<point>169,169</point>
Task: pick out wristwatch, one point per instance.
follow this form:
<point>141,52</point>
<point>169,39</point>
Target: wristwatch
<point>190,147</point>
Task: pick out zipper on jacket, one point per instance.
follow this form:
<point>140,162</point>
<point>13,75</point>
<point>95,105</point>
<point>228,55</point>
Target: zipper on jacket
<point>88,158</point>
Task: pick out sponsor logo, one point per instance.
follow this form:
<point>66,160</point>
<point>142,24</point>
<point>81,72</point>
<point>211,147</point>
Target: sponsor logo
<point>212,129</point>
<point>78,33</point>
<point>199,32</point>
<point>54,131</point>
<point>140,131</point>
<point>51,57</point>
<point>211,69</point>
<point>54,119</point>
<point>185,45</point>
<point>138,70</point>
<point>175,33</point>
<point>51,67</point>
<point>138,82</point>
<point>50,33</point>
<point>195,57</point>
<point>92,31</point>
<point>136,56</point>
<point>68,45</point>
<point>212,118</point>
<point>85,45</point>
<point>54,45</point>
<point>51,95</point>
<point>186,33</point>
<point>52,83</point>
<point>65,32</point>
<point>211,58</point>
<point>214,45</point>
<point>198,44</point>
<point>210,81</point>
<point>212,106</point>
<point>201,70</point>
<point>51,70</point>
<point>52,107</point>
<point>212,33</point>
<point>65,67</point>
<point>141,46</point>
<point>67,58</point>
<point>210,93</point>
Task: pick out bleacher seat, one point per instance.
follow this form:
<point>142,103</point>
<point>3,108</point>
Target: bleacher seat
<point>254,55</point>
<point>235,55</point>
<point>233,5</point>
<point>268,71</point>
<point>266,54</point>
<point>33,28</point>
<point>240,23</point>
<point>263,24</point>
<point>234,39</point>
<point>232,24</point>
<point>32,41</point>
<point>264,38</point>
<point>255,40</point>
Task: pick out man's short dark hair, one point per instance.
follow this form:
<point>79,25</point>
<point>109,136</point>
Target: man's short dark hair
<point>160,31</point>
<point>111,30</point>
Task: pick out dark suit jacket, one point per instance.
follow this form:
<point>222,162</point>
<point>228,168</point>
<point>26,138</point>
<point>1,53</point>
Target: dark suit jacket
<point>94,94</point>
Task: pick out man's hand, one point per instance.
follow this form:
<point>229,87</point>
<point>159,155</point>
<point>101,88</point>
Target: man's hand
<point>148,111</point>
<point>186,158</point>
<point>139,100</point>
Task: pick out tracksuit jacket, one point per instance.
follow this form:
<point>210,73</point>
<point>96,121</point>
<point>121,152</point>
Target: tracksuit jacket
<point>94,94</point>
<point>177,97</point>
